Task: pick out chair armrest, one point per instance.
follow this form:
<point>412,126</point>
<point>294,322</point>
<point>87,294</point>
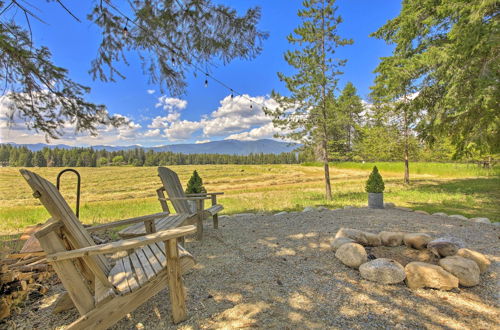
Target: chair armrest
<point>127,221</point>
<point>205,194</point>
<point>184,198</point>
<point>123,245</point>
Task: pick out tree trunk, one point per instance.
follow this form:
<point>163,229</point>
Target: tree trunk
<point>406,133</point>
<point>407,167</point>
<point>324,144</point>
<point>328,187</point>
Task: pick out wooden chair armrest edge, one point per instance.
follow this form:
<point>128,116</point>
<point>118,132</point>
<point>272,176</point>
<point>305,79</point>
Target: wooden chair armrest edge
<point>123,245</point>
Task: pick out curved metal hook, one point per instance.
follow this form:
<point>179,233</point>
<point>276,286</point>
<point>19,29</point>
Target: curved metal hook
<point>77,187</point>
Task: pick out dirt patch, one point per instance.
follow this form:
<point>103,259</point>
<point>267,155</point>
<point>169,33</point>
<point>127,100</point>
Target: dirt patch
<point>402,254</point>
<point>269,271</point>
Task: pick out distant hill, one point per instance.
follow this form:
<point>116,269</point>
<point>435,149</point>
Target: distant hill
<point>229,147</point>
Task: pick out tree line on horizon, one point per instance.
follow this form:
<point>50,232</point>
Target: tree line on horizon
<point>369,144</point>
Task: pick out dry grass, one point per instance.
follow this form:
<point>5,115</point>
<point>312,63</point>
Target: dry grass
<point>110,193</point>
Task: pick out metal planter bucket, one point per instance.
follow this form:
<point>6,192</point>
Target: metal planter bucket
<point>376,200</point>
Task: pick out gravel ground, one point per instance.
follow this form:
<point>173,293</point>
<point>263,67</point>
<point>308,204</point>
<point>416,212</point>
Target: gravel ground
<point>269,271</point>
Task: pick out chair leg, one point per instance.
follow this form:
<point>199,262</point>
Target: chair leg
<point>216,221</point>
<point>175,287</point>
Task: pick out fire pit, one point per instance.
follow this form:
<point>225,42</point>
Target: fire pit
<point>416,258</point>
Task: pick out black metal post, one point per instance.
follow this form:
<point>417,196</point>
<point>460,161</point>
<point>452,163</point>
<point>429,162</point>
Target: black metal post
<point>77,187</point>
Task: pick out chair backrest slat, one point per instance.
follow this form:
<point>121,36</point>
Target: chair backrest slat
<point>53,201</point>
<point>173,187</point>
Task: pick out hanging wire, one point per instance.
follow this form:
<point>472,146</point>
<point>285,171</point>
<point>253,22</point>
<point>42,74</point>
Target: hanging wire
<point>193,65</point>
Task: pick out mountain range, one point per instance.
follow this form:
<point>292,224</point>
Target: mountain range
<point>228,147</point>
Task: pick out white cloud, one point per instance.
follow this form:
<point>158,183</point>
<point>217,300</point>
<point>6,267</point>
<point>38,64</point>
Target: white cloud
<point>264,132</point>
<point>181,130</point>
<point>150,91</point>
<point>201,141</point>
<point>237,114</point>
<point>152,133</point>
<point>171,103</point>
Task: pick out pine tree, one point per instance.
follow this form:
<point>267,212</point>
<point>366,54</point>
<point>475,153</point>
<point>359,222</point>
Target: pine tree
<point>446,55</point>
<point>39,160</point>
<point>168,37</point>
<point>304,114</point>
<point>195,184</point>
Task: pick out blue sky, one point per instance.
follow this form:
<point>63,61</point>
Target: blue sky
<point>201,114</point>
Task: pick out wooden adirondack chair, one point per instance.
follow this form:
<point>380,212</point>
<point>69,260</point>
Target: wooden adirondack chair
<point>104,293</point>
<point>172,185</point>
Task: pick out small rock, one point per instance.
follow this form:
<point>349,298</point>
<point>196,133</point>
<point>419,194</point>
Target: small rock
<point>281,213</point>
<point>496,224</point>
<point>481,220</point>
<point>372,239</point>
<point>352,255</point>
<point>417,240</point>
<point>442,248</point>
<point>389,238</point>
<point>440,214</point>
<point>466,270</point>
<point>339,241</point>
<point>322,208</point>
<point>424,275</point>
<point>458,216</point>
<point>348,207</point>
<point>244,215</point>
<point>308,209</point>
<point>404,208</point>
<point>422,212</point>
<point>479,258</point>
<point>389,205</point>
<point>383,270</point>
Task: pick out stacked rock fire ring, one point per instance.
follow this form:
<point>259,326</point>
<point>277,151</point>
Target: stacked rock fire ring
<point>456,264</point>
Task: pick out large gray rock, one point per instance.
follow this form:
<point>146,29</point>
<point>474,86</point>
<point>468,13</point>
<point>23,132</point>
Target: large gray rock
<point>385,271</point>
<point>339,241</point>
<point>390,238</point>
<point>361,237</point>
<point>479,258</point>
<point>466,270</point>
<point>442,247</point>
<point>372,239</point>
<point>352,254</point>
<point>424,275</point>
<point>308,209</point>
<point>481,220</point>
<point>442,214</point>
<point>354,234</point>
<point>417,240</point>
<point>281,213</point>
<point>422,212</point>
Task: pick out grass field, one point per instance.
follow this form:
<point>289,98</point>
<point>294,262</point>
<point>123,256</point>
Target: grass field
<point>112,193</point>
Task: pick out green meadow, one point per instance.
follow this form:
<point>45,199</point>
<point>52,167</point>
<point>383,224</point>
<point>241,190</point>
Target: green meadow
<point>112,193</point>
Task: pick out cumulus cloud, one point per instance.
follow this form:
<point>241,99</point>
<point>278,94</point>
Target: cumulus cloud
<point>201,141</point>
<point>171,103</point>
<point>264,132</point>
<point>181,130</point>
<point>152,133</point>
<point>150,91</point>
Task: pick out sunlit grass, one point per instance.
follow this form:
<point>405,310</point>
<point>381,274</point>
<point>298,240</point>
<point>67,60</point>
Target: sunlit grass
<point>112,193</point>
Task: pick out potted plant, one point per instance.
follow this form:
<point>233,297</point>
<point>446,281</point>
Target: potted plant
<point>375,189</point>
<point>194,186</point>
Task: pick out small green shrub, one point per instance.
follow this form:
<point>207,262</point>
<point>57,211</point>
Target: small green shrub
<point>195,185</point>
<point>375,183</point>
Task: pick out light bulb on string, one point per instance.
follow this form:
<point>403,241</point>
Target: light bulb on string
<point>232,94</point>
<point>125,29</point>
<point>206,79</point>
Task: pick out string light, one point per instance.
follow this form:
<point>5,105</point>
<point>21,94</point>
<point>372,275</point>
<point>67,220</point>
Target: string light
<point>193,65</point>
<point>125,29</point>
